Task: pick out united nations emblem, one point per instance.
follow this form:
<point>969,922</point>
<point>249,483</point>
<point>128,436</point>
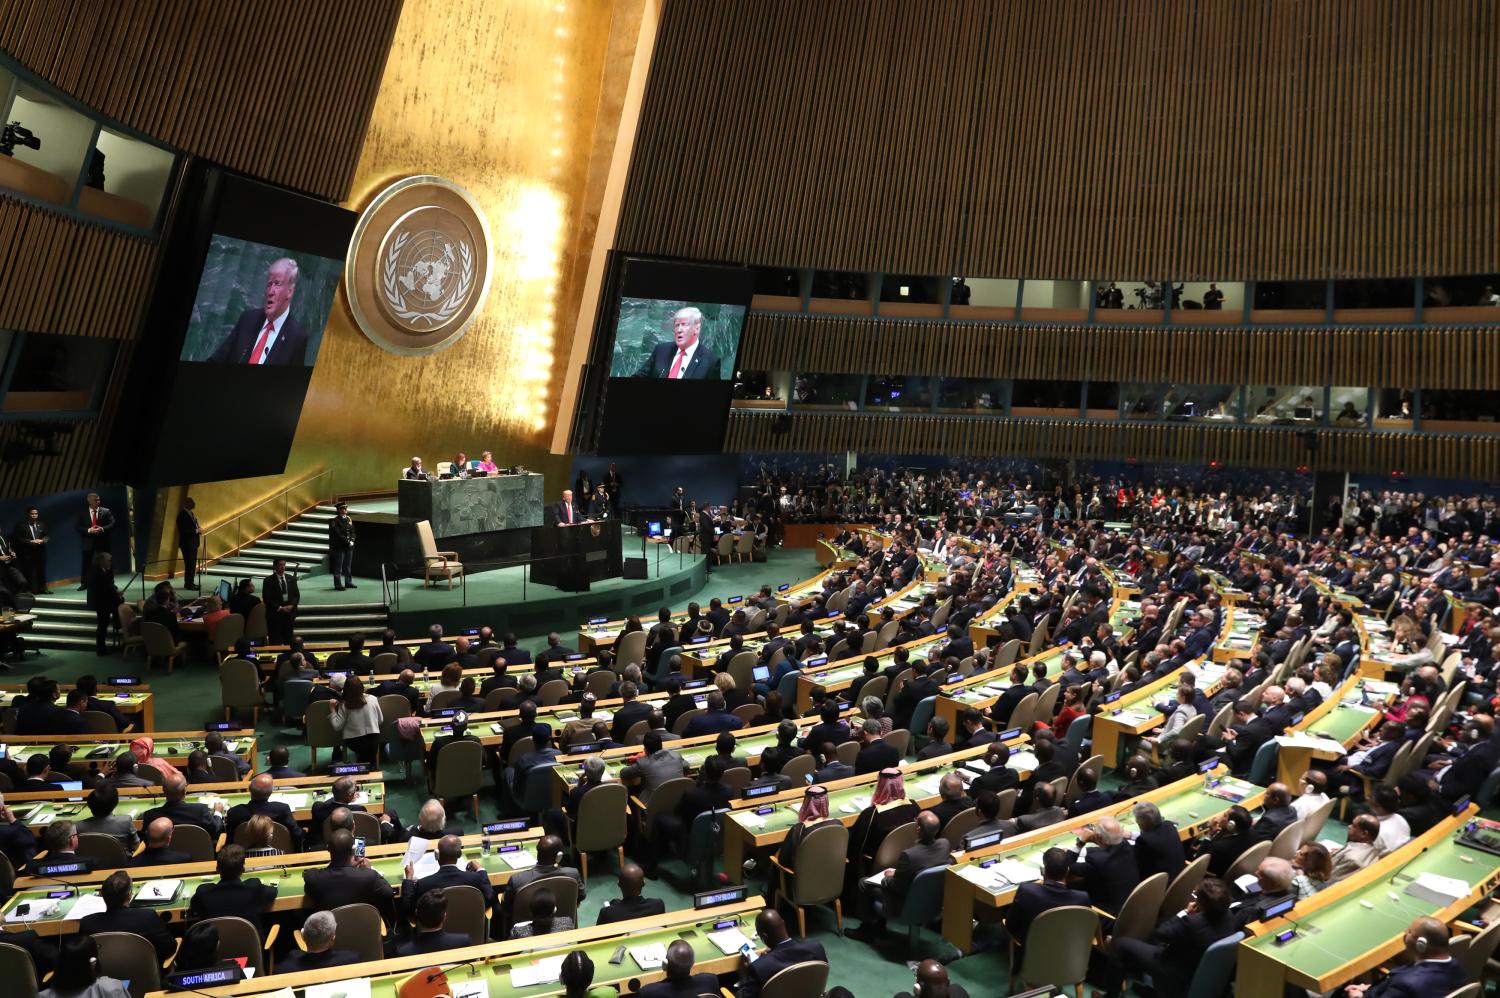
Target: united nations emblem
<point>418,269</point>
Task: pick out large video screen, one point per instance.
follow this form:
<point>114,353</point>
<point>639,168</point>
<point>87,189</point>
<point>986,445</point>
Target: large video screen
<point>247,281</point>
<point>676,340</point>
<point>678,323</point>
<point>259,304</point>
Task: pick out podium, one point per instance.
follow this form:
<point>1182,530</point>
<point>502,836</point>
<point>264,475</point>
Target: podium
<point>572,557</point>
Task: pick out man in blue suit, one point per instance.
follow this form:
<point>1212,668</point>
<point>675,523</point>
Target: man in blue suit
<point>782,951</point>
<point>713,720</point>
<point>450,853</point>
<point>1432,972</point>
<point>686,357</point>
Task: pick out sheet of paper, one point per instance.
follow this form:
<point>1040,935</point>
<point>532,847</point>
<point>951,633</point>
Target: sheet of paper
<point>426,866</point>
<point>519,860</point>
<point>728,941</point>
<point>1437,884</point>
<point>358,987</point>
<point>362,797</point>
<point>1016,872</point>
<point>1247,882</point>
<point>548,971</point>
<point>159,890</point>
<point>649,956</point>
<point>35,910</point>
<point>89,904</point>
<point>476,988</point>
<point>982,877</point>
<point>751,820</point>
<point>1022,762</point>
<point>296,802</point>
<point>416,846</point>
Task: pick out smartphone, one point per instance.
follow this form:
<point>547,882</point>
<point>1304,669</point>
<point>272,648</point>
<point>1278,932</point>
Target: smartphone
<point>745,951</point>
<point>359,846</point>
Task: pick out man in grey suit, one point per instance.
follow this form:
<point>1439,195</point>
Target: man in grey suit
<point>889,893</point>
<point>654,768</point>
<point>102,803</point>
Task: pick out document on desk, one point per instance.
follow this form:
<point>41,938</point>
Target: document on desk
<point>296,802</point>
<point>158,891</point>
<point>728,941</point>
<point>1016,872</point>
<point>35,911</point>
<point>984,877</point>
<point>477,988</point>
<point>546,971</point>
<point>89,904</point>
<point>520,859</point>
<point>1022,762</point>
<point>358,987</point>
<point>1128,717</point>
<point>426,866</point>
<point>1435,888</point>
<point>751,820</point>
<point>649,957</point>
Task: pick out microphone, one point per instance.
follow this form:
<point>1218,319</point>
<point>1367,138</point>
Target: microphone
<point>472,964</point>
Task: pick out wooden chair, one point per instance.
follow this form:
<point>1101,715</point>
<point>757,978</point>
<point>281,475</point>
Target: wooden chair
<point>394,706</point>
<point>817,873</point>
<point>442,699</point>
<point>899,738</point>
<point>359,928</point>
<point>458,771</point>
<point>797,770</point>
<point>800,980</point>
<point>435,563</point>
<point>124,956</point>
<point>1057,951</point>
<point>1248,862</point>
<point>107,852</point>
<point>256,628</point>
<point>663,801</point>
<point>1288,841</point>
<point>239,937</point>
<point>631,648</point>
<point>564,891</point>
<point>226,632</point>
<point>280,837</point>
<point>193,840</point>
<point>1137,917</point>
<point>96,722</point>
<point>467,913</point>
<point>897,841</point>
<point>602,823</point>
<point>551,693</point>
<point>130,635</point>
<point>959,825</point>
<point>17,967</point>
<point>158,643</point>
<point>1181,889</point>
<point>320,732</point>
<point>224,770</point>
<point>239,688</point>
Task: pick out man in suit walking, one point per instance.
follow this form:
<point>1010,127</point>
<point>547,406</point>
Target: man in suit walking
<point>103,598</point>
<point>282,597</point>
<point>31,545</point>
<point>93,526</point>
<point>188,532</point>
<point>341,548</point>
<point>267,334</point>
<point>686,357</point>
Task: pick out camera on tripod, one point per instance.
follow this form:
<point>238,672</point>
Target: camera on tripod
<point>16,134</point>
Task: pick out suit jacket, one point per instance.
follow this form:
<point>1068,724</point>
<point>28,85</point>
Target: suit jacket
<point>329,887</point>
<point>1006,705</point>
<point>624,909</point>
<point>186,813</point>
<point>1034,899</point>
<point>1467,775</point>
<point>237,898</point>
<point>922,856</point>
<point>627,717</point>
<point>117,825</point>
<point>1109,874</point>
<point>99,541</point>
<point>17,843</point>
<point>1270,824</point>
<point>187,530</point>
<point>697,984</point>
<point>290,346</point>
<point>784,954</point>
<point>432,942</point>
<point>1421,980</point>
<point>275,597</point>
<point>559,513</point>
<point>160,857</point>
<point>141,921</point>
<point>875,756</point>
<point>297,960</point>
<point>997,779</point>
<point>1352,858</point>
<point>446,876</point>
<point>654,770</point>
<point>704,364</point>
<point>1159,851</point>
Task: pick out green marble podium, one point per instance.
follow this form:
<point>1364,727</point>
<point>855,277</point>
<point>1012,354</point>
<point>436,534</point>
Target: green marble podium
<point>457,507</point>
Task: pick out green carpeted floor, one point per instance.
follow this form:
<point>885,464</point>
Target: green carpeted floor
<point>190,697</point>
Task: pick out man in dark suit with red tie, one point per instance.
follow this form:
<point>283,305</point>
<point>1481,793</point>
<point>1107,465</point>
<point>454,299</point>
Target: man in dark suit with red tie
<point>268,334</point>
<point>565,512</point>
<point>94,527</point>
<point>686,357</point>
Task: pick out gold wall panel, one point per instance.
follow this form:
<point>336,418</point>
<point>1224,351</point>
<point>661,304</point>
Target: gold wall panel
<point>507,100</point>
<point>1190,139</point>
<point>279,89</point>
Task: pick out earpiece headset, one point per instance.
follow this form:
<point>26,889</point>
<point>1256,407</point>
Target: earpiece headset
<point>1420,945</point>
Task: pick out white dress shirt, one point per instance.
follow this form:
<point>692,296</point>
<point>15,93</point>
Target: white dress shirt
<point>276,325</point>
<point>687,358</point>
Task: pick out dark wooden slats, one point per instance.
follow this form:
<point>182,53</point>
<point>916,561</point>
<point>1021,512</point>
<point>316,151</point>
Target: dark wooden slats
<point>1191,139</point>
<point>279,89</point>
<point>1395,357</point>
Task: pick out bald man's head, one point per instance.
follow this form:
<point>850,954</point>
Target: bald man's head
<point>261,786</point>
<point>933,977</point>
<point>632,881</point>
<point>928,825</point>
<point>679,960</point>
<point>159,833</point>
<point>450,849</point>
<point>770,927</point>
<point>174,788</point>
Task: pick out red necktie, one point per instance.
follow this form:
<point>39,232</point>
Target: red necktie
<point>259,353</point>
<point>676,371</point>
<point>93,518</point>
<point>568,508</point>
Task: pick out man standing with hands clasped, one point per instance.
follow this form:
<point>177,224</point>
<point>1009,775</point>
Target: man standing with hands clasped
<point>341,548</point>
<point>188,532</point>
<point>282,597</point>
<point>31,544</point>
<point>94,527</point>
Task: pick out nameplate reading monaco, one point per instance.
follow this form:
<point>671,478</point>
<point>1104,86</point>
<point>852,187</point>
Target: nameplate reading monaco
<point>418,269</point>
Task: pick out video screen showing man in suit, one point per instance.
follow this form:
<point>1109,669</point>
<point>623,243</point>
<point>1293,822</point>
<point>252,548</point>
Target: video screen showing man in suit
<point>260,305</point>
<point>676,340</point>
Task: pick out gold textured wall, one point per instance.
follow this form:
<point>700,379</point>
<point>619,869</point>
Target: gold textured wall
<point>510,99</point>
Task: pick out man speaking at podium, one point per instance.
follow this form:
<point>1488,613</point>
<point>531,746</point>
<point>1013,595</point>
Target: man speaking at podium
<point>685,358</point>
<point>565,513</point>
